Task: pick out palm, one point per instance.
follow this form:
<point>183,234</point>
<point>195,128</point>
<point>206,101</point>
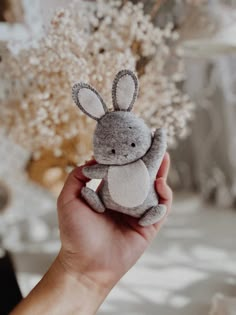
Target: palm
<point>104,242</point>
<point>109,237</point>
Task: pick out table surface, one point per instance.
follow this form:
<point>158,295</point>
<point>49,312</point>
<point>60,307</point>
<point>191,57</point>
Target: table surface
<point>192,259</point>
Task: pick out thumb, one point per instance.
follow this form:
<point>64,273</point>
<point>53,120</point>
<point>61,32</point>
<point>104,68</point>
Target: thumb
<point>73,185</point>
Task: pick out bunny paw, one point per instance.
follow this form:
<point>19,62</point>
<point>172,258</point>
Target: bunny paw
<point>153,215</point>
<point>92,199</point>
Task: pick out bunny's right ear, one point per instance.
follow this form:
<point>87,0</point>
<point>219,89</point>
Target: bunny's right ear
<point>88,100</point>
<point>124,90</point>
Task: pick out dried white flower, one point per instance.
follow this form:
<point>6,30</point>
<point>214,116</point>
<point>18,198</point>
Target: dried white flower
<point>91,44</point>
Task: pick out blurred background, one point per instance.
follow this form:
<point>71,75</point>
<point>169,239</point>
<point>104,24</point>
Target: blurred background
<point>184,52</point>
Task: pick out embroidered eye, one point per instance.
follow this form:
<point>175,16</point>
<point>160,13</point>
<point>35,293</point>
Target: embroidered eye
<point>113,151</point>
<point>130,127</point>
<point>133,145</point>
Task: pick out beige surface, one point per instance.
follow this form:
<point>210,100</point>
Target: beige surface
<point>193,258</point>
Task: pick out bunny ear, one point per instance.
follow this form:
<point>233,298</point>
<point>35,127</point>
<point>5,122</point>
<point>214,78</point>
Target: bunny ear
<point>124,90</point>
<point>88,100</point>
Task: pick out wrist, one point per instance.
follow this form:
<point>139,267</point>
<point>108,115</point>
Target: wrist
<point>61,292</point>
<point>87,271</point>
<point>81,291</point>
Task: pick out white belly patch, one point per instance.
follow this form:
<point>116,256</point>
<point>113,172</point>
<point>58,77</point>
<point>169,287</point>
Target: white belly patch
<point>129,184</point>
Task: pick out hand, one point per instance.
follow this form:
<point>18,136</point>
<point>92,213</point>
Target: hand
<point>103,246</point>
<point>96,251</point>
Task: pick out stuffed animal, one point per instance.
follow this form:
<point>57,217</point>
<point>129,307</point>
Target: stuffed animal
<point>128,156</point>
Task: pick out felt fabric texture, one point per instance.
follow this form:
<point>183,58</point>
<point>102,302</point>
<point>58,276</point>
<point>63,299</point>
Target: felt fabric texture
<point>127,154</point>
<point>129,184</point>
<point>154,156</point>
<point>92,199</point>
<point>124,90</point>
<point>138,211</point>
<point>120,138</point>
<point>153,215</point>
<point>88,100</point>
<point>97,171</point>
<point>157,150</point>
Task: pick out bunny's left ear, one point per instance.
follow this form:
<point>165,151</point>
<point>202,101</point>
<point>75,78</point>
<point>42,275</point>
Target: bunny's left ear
<point>124,90</point>
<point>89,100</point>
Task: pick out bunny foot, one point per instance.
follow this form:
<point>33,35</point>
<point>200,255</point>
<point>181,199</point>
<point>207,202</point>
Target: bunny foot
<point>153,215</point>
<point>92,199</point>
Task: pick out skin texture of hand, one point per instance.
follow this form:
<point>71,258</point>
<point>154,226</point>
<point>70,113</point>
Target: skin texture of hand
<point>96,249</point>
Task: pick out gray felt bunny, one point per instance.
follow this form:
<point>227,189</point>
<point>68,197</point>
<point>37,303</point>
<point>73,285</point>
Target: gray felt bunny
<point>127,153</point>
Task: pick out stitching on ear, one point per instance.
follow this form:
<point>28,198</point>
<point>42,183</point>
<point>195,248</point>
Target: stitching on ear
<point>75,91</point>
<point>119,75</point>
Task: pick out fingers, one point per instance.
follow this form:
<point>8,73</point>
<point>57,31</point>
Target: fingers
<point>164,168</point>
<point>73,185</point>
<point>165,198</point>
<point>164,192</point>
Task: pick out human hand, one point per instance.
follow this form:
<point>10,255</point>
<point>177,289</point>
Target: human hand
<point>96,251</point>
<point>103,246</point>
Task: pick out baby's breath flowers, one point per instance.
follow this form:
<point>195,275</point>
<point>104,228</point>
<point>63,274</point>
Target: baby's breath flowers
<point>91,42</point>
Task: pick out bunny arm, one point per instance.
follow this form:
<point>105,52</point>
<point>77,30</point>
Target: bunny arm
<point>155,154</point>
<point>97,171</point>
